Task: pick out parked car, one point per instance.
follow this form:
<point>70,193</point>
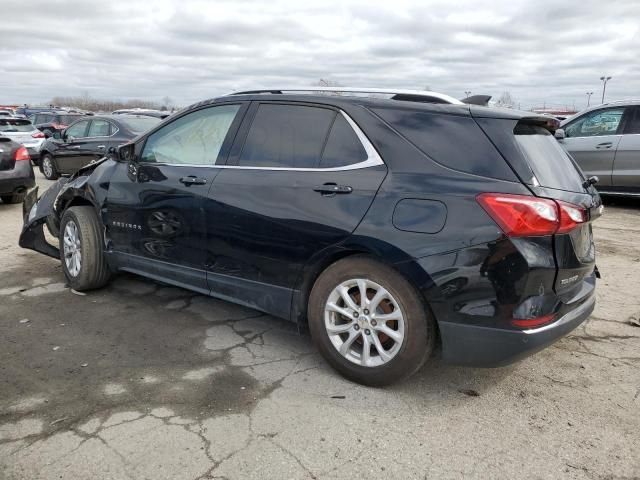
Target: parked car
<point>50,122</point>
<point>605,141</point>
<point>22,131</point>
<point>29,111</point>
<point>88,140</point>
<point>388,225</point>
<point>6,113</point>
<point>16,173</point>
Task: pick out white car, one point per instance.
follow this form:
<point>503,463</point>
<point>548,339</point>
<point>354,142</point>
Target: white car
<point>21,130</point>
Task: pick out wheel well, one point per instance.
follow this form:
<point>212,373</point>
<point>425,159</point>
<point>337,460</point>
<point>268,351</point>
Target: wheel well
<point>299,311</point>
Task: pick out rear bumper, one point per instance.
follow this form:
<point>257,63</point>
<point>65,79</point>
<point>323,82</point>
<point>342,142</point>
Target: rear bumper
<point>18,179</point>
<point>479,346</point>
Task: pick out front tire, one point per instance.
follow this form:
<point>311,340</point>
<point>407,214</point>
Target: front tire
<point>81,252</point>
<point>48,167</point>
<point>369,322</point>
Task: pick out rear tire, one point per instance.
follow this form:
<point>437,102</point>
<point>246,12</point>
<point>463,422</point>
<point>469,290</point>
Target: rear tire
<point>48,167</point>
<point>16,198</point>
<point>81,253</point>
<point>396,308</point>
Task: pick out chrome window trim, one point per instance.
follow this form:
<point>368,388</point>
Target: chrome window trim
<point>373,158</point>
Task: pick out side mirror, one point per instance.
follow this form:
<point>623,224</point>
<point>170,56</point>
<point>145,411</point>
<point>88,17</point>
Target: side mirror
<point>560,134</point>
<point>126,152</point>
<point>47,134</point>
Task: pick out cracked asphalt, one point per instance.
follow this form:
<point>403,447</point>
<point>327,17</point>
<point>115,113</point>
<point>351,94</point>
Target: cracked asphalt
<point>144,381</point>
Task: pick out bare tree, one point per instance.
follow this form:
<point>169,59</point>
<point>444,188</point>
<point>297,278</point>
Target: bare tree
<point>86,102</point>
<point>506,101</point>
<point>325,82</point>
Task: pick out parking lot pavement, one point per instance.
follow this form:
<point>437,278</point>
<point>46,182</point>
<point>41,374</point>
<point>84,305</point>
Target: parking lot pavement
<point>141,380</point>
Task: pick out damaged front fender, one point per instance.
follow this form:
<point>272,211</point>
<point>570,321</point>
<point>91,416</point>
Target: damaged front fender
<point>36,211</point>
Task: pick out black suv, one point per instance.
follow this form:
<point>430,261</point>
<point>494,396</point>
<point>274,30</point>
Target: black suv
<point>388,225</point>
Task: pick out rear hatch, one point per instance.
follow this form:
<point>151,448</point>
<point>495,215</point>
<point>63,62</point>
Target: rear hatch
<point>528,145</point>
<point>19,130</point>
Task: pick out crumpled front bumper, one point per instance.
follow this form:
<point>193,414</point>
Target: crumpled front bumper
<point>35,212</point>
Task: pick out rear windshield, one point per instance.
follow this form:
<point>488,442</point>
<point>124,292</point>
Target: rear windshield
<point>139,124</point>
<point>15,125</point>
<point>550,163</point>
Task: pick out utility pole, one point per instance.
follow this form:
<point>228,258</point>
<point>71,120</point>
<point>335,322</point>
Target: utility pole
<point>604,81</point>
<point>467,93</point>
<point>589,98</point>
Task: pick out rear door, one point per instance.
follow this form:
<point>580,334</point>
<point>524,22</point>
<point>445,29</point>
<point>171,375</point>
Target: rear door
<point>98,138</point>
<point>626,167</point>
<point>299,179</point>
<point>154,216</point>
<point>592,140</point>
<point>73,152</point>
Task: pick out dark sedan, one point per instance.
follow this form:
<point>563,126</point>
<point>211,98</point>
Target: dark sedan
<point>88,140</point>
<point>16,173</point>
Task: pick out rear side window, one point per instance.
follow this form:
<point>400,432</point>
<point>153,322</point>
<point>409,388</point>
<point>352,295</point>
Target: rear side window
<point>633,124</point>
<point>13,125</point>
<point>99,128</point>
<point>286,136</point>
<point>454,141</point>
<point>549,162</point>
<point>343,146</point>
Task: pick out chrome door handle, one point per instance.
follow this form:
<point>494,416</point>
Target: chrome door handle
<point>332,189</point>
<point>73,147</point>
<point>100,147</point>
<point>191,180</point>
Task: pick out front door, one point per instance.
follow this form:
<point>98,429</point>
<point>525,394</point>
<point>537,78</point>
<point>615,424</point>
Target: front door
<point>73,151</point>
<point>298,181</point>
<point>155,217</point>
<point>592,140</point>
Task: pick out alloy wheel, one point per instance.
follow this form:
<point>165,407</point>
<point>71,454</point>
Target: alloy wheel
<point>47,168</point>
<point>72,249</point>
<point>364,322</point>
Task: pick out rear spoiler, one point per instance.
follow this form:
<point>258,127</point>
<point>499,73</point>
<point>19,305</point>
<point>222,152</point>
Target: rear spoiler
<point>482,100</point>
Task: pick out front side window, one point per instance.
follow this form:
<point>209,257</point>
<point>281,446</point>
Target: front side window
<point>596,124</point>
<point>195,139</point>
<point>99,128</point>
<point>77,130</point>
<point>286,136</point>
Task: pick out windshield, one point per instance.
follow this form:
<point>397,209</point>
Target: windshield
<point>552,166</point>
<point>139,124</point>
<point>15,125</point>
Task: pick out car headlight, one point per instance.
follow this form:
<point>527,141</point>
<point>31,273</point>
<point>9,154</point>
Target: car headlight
<point>32,212</point>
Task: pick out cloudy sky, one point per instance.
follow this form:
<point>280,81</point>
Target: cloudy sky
<point>540,51</point>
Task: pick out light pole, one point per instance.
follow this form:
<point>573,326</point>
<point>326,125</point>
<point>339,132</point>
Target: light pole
<point>589,98</point>
<point>467,93</point>
<point>604,81</point>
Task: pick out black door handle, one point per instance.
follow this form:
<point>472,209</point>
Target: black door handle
<point>600,146</point>
<point>191,180</point>
<point>332,189</point>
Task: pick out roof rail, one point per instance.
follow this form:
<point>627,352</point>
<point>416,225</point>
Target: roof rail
<point>408,95</point>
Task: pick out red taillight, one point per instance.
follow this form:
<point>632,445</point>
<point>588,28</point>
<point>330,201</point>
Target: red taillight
<point>22,154</point>
<point>38,135</point>
<point>533,322</point>
<point>570,216</point>
<point>527,216</point>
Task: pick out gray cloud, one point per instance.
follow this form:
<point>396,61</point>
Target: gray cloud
<point>542,52</point>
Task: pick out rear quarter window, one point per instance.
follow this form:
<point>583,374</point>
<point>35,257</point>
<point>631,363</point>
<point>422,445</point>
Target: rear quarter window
<point>456,142</point>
